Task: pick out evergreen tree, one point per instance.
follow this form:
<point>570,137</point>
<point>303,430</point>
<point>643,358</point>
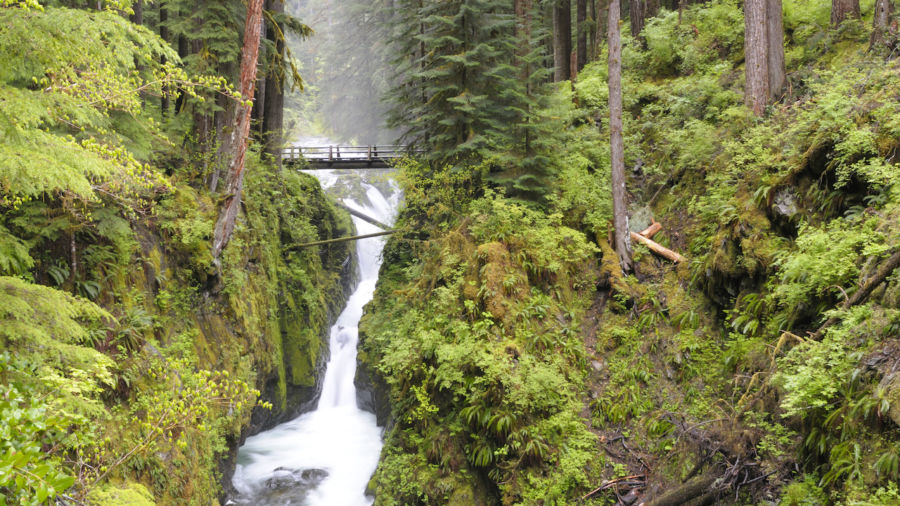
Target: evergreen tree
<point>469,84</point>
<point>456,98</point>
<point>523,161</point>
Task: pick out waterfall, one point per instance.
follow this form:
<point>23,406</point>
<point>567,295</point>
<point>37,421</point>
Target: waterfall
<point>326,456</point>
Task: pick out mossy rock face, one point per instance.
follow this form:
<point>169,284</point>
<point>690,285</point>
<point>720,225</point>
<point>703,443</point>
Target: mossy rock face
<point>890,386</point>
<point>496,267</point>
<point>466,494</point>
<point>122,494</point>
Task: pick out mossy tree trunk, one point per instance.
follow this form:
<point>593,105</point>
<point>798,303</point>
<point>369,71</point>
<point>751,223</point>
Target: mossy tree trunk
<point>240,136</point>
<point>880,20</point>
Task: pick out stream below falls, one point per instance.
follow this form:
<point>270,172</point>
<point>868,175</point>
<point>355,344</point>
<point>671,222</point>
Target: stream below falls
<point>327,456</point>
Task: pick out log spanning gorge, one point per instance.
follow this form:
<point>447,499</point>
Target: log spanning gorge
<point>328,455</point>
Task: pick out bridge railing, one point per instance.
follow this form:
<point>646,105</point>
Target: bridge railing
<point>345,153</point>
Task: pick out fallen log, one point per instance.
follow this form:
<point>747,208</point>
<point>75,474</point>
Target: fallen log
<point>693,489</point>
<point>340,239</point>
<point>364,217</point>
<point>657,248</point>
<point>652,230</point>
<point>864,291</point>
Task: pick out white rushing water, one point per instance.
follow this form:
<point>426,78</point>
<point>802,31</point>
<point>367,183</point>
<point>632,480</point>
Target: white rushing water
<point>287,465</point>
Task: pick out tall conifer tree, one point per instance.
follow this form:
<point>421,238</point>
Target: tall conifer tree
<point>454,97</point>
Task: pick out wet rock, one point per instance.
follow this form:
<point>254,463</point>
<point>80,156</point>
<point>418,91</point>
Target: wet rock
<point>640,219</point>
<point>785,203</point>
<point>294,478</point>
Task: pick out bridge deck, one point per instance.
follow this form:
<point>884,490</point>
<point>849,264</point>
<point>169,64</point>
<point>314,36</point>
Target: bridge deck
<point>345,157</point>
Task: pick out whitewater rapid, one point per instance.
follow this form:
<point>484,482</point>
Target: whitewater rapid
<point>327,456</point>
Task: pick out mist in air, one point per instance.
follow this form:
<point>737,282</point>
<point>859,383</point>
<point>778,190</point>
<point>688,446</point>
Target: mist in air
<point>345,72</point>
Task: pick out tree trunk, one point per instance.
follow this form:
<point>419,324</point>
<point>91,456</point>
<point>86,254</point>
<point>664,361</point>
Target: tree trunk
<point>562,40</point>
<point>581,48</point>
<point>880,21</point>
<point>843,9</point>
<point>775,43</point>
<point>617,145</point>
<point>265,61</point>
<point>235,180</point>
<point>164,35</point>
<point>523,10</point>
<point>657,248</point>
<point>138,16</point>
<point>183,52</point>
<point>638,9</point>
<point>595,27</point>
<point>273,115</point>
<point>756,89</point>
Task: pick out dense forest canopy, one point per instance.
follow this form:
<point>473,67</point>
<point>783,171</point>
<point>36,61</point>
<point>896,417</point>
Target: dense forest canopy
<point>649,250</point>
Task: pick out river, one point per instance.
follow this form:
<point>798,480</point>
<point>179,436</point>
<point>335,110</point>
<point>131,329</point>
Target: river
<point>327,456</point>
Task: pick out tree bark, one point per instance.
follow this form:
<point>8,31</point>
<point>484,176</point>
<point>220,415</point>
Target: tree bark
<point>562,40</point>
<point>581,47</point>
<point>652,230</point>
<point>843,9</point>
<point>617,144</point>
<point>880,20</point>
<point>595,27</point>
<point>657,248</point>
<point>640,11</point>
<point>164,35</point>
<point>235,181</point>
<point>183,51</point>
<point>138,16</point>
<point>273,114</point>
<point>756,89</point>
<point>775,43</point>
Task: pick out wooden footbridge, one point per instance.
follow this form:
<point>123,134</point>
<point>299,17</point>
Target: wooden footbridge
<point>345,157</point>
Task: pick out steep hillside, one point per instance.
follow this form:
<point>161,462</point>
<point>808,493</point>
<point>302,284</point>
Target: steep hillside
<point>516,364</point>
<point>131,360</point>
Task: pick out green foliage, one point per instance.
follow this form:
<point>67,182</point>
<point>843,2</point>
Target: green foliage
<point>469,86</point>
<point>28,474</point>
<point>692,41</point>
<point>126,494</point>
<point>49,329</point>
<point>804,493</point>
<point>22,4</point>
<point>482,357</point>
